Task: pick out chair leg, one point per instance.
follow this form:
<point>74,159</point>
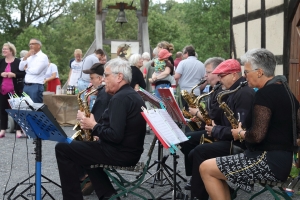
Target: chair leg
<point>273,192</point>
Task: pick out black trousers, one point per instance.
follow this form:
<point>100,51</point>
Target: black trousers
<point>70,157</point>
<point>200,154</point>
<point>188,146</point>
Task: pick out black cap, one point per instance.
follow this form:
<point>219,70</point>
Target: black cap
<point>97,68</point>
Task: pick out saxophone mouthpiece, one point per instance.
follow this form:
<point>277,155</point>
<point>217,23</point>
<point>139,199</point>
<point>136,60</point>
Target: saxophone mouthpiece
<point>217,86</point>
<point>202,81</point>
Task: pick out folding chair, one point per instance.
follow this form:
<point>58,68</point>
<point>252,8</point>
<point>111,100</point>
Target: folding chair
<point>268,186</point>
<point>124,186</point>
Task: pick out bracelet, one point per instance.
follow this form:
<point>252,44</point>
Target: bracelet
<point>240,137</point>
<point>196,113</point>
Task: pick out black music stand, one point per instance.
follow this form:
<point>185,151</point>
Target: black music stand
<point>169,103</point>
<point>38,125</point>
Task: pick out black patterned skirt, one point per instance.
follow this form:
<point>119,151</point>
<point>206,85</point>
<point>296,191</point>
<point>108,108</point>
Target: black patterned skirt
<point>243,171</point>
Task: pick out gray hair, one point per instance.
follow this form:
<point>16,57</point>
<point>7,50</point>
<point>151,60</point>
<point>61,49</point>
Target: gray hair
<point>260,58</point>
<point>37,41</point>
<point>134,59</point>
<point>146,56</point>
<point>119,65</point>
<point>214,61</point>
<point>155,52</point>
<point>23,53</point>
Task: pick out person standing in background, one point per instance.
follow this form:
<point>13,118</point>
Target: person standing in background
<point>136,63</point>
<point>23,53</point>
<point>52,77</point>
<point>177,59</point>
<point>35,64</point>
<point>144,68</point>
<point>75,68</point>
<point>11,81</point>
<point>189,73</point>
<point>89,61</point>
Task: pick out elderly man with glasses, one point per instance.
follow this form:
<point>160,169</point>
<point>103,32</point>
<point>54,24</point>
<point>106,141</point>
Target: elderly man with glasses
<point>240,103</point>
<point>35,64</point>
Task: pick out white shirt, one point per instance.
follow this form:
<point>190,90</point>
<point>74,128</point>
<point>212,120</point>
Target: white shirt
<point>76,72</point>
<point>192,71</point>
<point>37,66</point>
<point>51,69</point>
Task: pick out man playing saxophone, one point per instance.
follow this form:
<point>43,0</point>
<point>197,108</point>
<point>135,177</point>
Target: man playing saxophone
<point>240,103</point>
<point>212,108</point>
<point>100,104</point>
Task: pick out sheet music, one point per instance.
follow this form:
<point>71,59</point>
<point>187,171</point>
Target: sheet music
<point>171,105</point>
<point>179,134</point>
<point>162,128</point>
<point>165,126</point>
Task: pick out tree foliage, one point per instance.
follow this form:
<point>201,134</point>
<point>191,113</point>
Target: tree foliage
<point>17,15</point>
<point>65,25</point>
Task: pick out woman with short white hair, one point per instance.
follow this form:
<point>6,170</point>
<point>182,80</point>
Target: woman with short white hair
<point>136,62</point>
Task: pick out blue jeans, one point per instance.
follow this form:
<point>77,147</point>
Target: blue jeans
<point>82,85</point>
<point>35,91</point>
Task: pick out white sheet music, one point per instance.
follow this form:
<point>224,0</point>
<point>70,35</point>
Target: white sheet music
<point>179,134</point>
<point>165,126</point>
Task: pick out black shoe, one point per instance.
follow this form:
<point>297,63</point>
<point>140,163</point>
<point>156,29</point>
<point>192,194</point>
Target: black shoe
<point>188,186</point>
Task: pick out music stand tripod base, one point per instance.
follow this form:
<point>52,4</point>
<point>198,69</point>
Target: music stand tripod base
<point>38,126</point>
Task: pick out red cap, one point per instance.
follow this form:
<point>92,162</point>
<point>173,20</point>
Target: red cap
<point>164,54</point>
<point>227,67</point>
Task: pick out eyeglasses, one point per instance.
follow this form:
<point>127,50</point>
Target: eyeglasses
<point>30,44</point>
<point>222,75</point>
<point>105,75</point>
<point>246,71</point>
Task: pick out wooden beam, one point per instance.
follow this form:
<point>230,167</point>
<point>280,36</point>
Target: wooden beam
<point>98,6</point>
<point>125,6</point>
<point>144,7</point>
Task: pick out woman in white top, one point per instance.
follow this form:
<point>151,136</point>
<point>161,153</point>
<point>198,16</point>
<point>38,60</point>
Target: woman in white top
<point>76,67</point>
<point>52,77</point>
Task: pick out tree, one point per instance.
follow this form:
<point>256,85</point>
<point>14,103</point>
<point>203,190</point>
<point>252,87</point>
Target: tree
<point>209,22</point>
<point>17,15</point>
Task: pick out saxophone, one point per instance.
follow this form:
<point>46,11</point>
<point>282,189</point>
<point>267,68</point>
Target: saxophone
<point>79,132</point>
<point>202,110</point>
<point>87,112</point>
<point>227,111</point>
<point>190,98</point>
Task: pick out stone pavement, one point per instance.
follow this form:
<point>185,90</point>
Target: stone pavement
<point>17,162</point>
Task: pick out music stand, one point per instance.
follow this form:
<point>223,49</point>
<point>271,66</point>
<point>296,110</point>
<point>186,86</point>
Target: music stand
<point>40,125</point>
<point>169,103</point>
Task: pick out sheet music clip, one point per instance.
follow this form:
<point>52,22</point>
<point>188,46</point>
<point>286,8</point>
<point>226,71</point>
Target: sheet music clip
<point>173,148</point>
<point>162,105</point>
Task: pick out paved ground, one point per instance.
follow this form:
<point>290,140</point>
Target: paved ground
<point>17,162</point>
